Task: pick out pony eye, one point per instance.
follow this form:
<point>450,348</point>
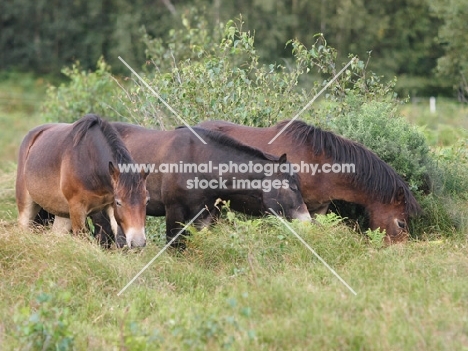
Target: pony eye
<point>147,200</point>
<point>401,224</point>
<point>293,187</point>
<point>118,202</point>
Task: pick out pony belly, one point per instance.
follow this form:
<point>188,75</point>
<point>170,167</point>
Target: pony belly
<point>47,195</point>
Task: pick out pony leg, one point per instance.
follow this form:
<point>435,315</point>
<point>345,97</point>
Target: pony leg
<point>174,223</point>
<point>61,225</point>
<point>206,219</point>
<point>114,225</point>
<point>102,229</point>
<point>43,218</point>
<point>27,210</point>
<point>320,210</point>
<point>77,218</point>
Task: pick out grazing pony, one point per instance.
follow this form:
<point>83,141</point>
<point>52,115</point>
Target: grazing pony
<point>69,170</point>
<point>176,194</point>
<point>374,184</point>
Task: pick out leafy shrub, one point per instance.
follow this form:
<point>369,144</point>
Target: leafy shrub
<point>191,43</point>
<point>445,208</point>
<point>86,92</point>
<point>134,337</point>
<point>227,81</point>
<point>46,327</point>
<point>452,162</point>
<point>375,125</point>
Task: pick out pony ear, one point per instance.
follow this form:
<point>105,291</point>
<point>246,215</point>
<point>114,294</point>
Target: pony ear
<point>114,172</point>
<point>145,172</point>
<point>400,196</point>
<point>282,159</point>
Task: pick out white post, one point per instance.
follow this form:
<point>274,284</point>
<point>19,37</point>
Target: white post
<point>432,104</point>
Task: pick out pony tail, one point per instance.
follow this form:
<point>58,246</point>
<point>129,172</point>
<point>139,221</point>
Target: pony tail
<point>81,126</point>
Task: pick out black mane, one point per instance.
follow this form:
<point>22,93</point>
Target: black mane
<point>120,153</point>
<point>372,175</point>
<point>223,139</point>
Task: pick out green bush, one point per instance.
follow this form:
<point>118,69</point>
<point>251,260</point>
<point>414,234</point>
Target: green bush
<point>452,162</point>
<point>47,326</point>
<point>226,80</point>
<point>85,92</point>
<point>375,125</point>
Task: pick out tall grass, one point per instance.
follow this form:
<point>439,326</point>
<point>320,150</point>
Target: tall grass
<point>244,284</point>
<point>21,96</point>
<point>443,127</point>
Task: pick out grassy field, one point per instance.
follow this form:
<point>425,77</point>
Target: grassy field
<point>443,127</point>
<point>20,99</point>
<point>242,285</point>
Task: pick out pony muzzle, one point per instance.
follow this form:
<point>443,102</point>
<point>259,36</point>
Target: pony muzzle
<point>302,214</point>
<point>135,237</point>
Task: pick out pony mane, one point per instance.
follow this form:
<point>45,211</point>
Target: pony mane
<point>120,153</point>
<point>225,140</point>
<point>372,175</point>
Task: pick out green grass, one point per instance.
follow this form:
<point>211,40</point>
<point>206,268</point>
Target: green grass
<point>20,100</point>
<point>7,193</point>
<point>242,285</point>
<point>444,127</point>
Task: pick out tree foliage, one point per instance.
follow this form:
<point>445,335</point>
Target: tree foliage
<point>453,36</point>
<point>44,36</point>
<point>84,92</point>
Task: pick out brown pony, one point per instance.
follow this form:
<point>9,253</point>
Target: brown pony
<point>69,171</point>
<point>374,184</point>
<point>174,195</point>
